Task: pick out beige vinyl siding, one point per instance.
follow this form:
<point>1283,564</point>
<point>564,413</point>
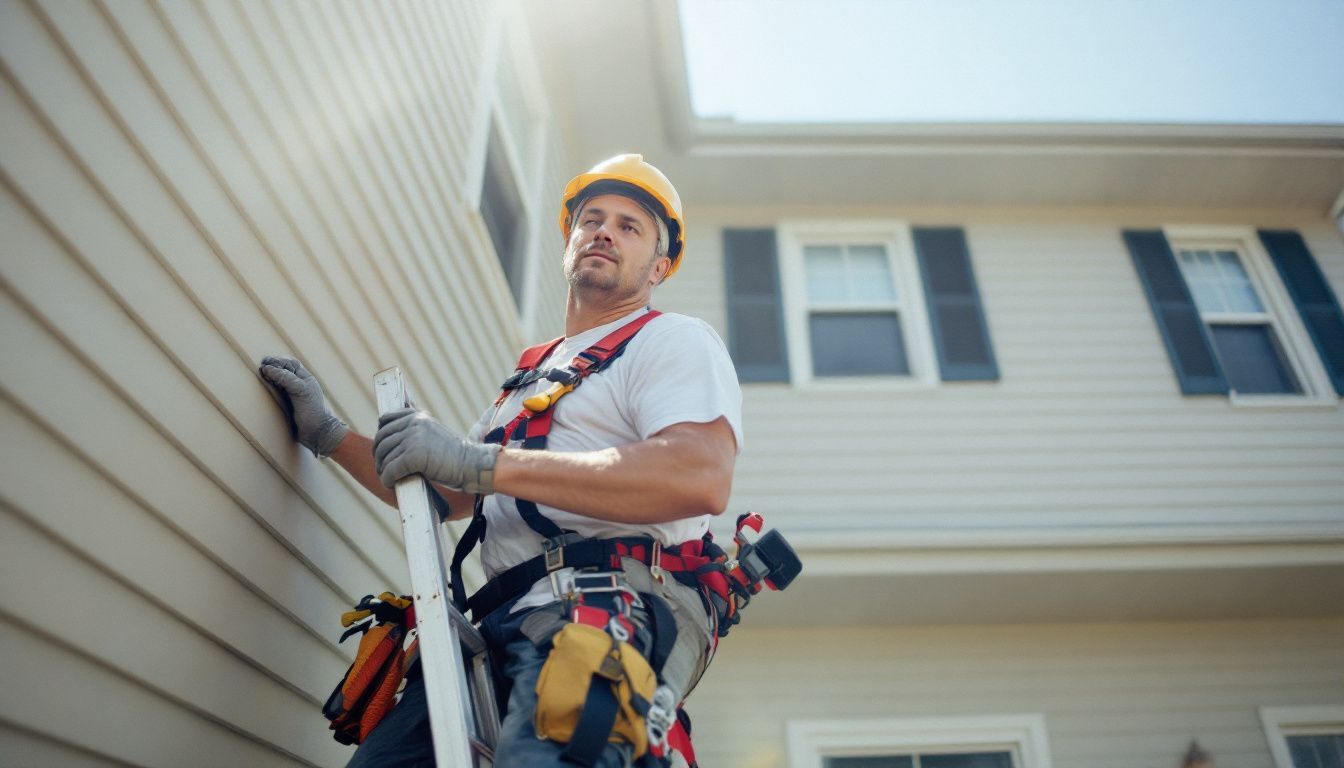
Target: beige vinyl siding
<point>186,188</point>
<point>1113,695</point>
<point>1086,427</point>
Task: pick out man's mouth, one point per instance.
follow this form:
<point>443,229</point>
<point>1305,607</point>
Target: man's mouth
<point>600,254</point>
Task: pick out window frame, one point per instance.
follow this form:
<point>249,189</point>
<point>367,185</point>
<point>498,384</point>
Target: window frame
<point>1299,352</point>
<point>912,308</point>
<point>1022,736</point>
<point>492,118</point>
<point>1282,722</point>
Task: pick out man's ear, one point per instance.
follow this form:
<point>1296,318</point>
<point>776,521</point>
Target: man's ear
<point>660,269</point>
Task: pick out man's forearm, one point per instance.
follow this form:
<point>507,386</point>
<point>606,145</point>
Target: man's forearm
<point>355,455</point>
<point>684,471</point>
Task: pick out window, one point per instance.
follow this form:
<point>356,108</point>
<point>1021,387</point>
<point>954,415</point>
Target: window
<point>1305,737</point>
<point>851,294</point>
<point>504,215</point>
<point>853,304</point>
<point>1245,335</point>
<point>873,302</point>
<point>1001,741</point>
<point>508,145</point>
<point>1242,313</point>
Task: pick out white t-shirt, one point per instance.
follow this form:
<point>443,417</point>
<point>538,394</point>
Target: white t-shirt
<point>675,370</point>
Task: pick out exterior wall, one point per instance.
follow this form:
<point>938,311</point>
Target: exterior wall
<point>1113,695</point>
<point>1086,430</point>
<point>186,188</point>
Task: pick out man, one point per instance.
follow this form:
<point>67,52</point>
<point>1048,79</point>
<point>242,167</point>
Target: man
<point>643,448</point>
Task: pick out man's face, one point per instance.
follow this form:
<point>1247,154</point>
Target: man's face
<point>612,248</point>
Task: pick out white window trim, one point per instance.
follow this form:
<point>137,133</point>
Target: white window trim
<point>490,110</point>
<point>1298,348</point>
<point>896,237</point>
<point>1022,736</point>
<point>1282,722</point>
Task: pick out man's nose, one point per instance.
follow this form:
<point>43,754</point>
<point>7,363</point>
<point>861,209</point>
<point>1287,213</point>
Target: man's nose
<point>602,232</point>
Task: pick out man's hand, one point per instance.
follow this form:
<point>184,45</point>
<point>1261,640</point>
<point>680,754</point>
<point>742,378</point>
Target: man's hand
<point>411,442</point>
<point>316,427</point>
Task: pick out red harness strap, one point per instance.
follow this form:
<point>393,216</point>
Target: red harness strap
<point>586,363</point>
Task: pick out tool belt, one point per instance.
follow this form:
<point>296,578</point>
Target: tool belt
<point>726,584</point>
<point>368,690</point>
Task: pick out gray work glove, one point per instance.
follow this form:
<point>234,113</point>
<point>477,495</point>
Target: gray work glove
<point>411,442</point>
<point>315,426</point>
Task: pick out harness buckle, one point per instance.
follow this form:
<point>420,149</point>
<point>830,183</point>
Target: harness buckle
<point>562,584</point>
<point>568,375</point>
<point>555,558</point>
<point>656,563</point>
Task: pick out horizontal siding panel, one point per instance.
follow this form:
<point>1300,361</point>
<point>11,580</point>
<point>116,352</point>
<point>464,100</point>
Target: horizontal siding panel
<point>1087,423</point>
<point>112,713</point>
<point>121,353</point>
<point>25,748</point>
<point>197,186</point>
<point>149,645</point>
<point>54,492</point>
<point>1137,691</point>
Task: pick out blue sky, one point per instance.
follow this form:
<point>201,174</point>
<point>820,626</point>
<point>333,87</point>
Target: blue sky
<point>1204,61</point>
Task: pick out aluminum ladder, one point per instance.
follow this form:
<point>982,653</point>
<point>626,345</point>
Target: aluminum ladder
<point>453,656</point>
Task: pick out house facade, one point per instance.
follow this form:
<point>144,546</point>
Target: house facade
<point>1051,413</point>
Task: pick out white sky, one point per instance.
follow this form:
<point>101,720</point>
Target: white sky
<point>1240,61</point>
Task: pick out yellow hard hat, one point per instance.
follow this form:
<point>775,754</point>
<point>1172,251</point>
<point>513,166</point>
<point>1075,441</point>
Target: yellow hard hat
<point>630,176</point>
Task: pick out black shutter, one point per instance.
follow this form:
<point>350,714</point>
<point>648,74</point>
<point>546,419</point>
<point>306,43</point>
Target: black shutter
<point>756,337</point>
<point>1316,303</point>
<point>956,315</point>
<point>1177,316</point>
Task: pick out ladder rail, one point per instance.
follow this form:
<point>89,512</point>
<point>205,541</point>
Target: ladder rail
<point>464,722</point>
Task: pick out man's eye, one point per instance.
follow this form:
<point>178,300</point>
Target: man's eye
<point>631,228</point>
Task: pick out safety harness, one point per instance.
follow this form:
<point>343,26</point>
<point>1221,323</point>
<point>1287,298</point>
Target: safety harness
<point>602,689</point>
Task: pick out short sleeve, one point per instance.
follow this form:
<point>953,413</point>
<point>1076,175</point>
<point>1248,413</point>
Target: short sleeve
<point>682,373</point>
<point>478,430</point>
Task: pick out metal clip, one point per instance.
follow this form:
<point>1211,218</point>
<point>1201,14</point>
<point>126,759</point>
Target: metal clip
<point>562,583</point>
<point>655,563</point>
<point>617,630</point>
<point>662,713</point>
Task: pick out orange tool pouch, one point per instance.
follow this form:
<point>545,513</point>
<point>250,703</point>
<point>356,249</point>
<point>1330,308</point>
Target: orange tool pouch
<point>368,690</point>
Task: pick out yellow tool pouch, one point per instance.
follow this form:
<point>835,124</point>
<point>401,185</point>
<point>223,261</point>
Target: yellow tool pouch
<point>592,690</point>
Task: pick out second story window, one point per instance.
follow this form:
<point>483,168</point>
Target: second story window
<point>1243,313</point>
<point>852,295</point>
<point>1245,334</point>
<point>504,214</point>
<point>877,303</point>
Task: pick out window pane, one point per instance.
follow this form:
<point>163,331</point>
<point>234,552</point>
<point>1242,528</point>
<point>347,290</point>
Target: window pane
<point>857,344</point>
<point>870,274</point>
<point>825,273</point>
<point>1325,751</point>
<point>1252,360</point>
<point>1219,282</point>
<point>1200,275</point>
<point>502,209</point>
<point>885,761</point>
<point>969,760</point>
<point>1239,292</point>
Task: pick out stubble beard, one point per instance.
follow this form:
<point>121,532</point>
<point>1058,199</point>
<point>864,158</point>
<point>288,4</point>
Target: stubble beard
<point>597,281</point>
